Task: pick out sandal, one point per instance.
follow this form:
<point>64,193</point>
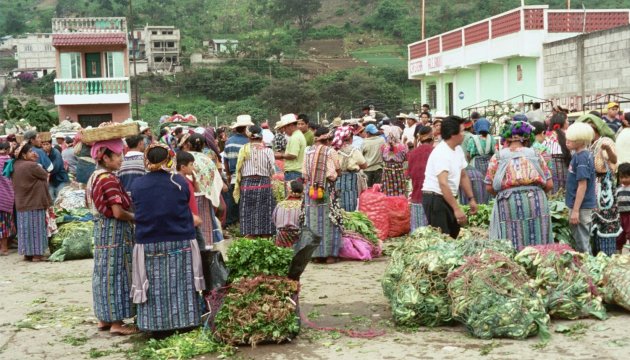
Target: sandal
<point>102,326</point>
<point>125,330</point>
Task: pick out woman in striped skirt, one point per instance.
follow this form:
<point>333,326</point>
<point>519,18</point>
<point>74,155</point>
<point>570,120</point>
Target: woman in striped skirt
<point>519,178</point>
<point>321,208</point>
<point>479,149</point>
<point>253,191</point>
<point>351,161</point>
<point>113,237</point>
<point>418,159</point>
<point>7,200</point>
<point>210,187</point>
<point>394,157</point>
<point>30,184</point>
<point>167,271</point>
<point>556,142</point>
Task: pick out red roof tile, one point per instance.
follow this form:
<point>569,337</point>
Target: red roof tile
<point>89,39</point>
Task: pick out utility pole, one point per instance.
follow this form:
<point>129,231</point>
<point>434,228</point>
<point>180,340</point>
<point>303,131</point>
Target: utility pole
<point>422,17</point>
<point>135,75</point>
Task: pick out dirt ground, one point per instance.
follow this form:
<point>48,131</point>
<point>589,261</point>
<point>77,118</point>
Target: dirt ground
<point>47,314</point>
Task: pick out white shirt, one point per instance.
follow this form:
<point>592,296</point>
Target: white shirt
<point>409,134</point>
<point>267,137</point>
<point>443,158</point>
<point>535,115</point>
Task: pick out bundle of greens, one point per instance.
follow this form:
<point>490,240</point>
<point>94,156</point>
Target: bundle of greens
<point>481,218</point>
<point>278,190</point>
<point>617,281</point>
<point>358,222</point>
<point>258,310</point>
<point>414,280</point>
<point>470,243</point>
<point>492,296</point>
<point>184,346</point>
<point>73,241</point>
<point>595,266</point>
<point>63,216</point>
<point>560,222</point>
<point>562,281</point>
<point>252,257</point>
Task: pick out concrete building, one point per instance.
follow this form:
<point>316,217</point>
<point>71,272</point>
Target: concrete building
<point>581,69</point>
<point>162,48</point>
<point>35,54</point>
<point>92,83</point>
<point>220,46</point>
<point>500,57</point>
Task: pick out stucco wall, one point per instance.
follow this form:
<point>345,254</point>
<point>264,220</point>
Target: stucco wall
<point>120,112</point>
<point>579,69</point>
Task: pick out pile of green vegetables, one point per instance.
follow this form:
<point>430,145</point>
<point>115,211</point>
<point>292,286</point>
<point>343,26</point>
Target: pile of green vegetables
<point>248,258</point>
<point>415,279</point>
<point>492,296</point>
<point>560,222</point>
<point>73,241</point>
<point>481,219</point>
<point>277,187</point>
<point>616,281</point>
<point>563,281</point>
<point>358,222</point>
<point>258,310</point>
<point>184,346</point>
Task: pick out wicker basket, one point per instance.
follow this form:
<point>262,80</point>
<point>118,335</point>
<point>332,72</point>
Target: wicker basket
<point>45,136</point>
<point>109,132</point>
<point>19,138</point>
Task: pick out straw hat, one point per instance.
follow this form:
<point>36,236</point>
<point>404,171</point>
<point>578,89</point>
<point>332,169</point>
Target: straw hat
<point>242,120</point>
<point>337,122</point>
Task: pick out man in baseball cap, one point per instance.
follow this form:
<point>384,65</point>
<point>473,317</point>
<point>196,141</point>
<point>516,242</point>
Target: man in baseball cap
<point>612,117</point>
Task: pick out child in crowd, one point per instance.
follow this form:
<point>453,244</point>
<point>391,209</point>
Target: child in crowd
<point>286,216</point>
<point>185,166</point>
<point>623,203</point>
<point>580,187</point>
<point>7,225</point>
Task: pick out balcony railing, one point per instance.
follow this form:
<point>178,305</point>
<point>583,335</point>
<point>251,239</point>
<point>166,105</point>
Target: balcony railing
<point>89,25</point>
<point>92,86</point>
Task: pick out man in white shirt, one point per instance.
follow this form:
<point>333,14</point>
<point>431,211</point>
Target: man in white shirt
<point>535,114</point>
<point>267,134</point>
<point>445,172</point>
<point>410,130</point>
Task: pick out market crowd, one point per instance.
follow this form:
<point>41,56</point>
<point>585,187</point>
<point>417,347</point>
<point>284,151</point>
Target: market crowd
<point>159,201</point>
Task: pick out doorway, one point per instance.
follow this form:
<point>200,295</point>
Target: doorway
<point>449,98</point>
<point>93,65</point>
<point>94,120</point>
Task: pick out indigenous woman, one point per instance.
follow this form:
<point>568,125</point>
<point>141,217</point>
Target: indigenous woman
<point>85,163</point>
<point>321,209</point>
<point>30,186</point>
<point>287,214</point>
<point>253,192</point>
<point>113,236</point>
<point>351,161</point>
<point>481,147</point>
<point>210,187</point>
<point>606,225</point>
<point>214,153</point>
<point>394,156</point>
<point>167,272</point>
<point>519,178</point>
<point>418,159</point>
<point>538,146</point>
<point>7,199</point>
<point>556,142</point>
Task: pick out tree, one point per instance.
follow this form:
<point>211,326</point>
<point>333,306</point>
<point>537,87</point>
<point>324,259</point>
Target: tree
<point>281,11</point>
<point>289,96</point>
<point>35,114</point>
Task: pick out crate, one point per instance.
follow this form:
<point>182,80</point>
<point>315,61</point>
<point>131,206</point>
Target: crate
<point>109,131</point>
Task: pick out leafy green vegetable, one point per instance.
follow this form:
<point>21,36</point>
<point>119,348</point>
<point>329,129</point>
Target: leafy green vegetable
<point>252,257</point>
<point>257,310</point>
<point>617,281</point>
<point>358,222</point>
<point>492,296</point>
<point>184,346</point>
<point>481,218</point>
<point>73,241</point>
<point>560,222</point>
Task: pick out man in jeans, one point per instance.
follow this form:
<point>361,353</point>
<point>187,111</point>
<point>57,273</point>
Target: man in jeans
<point>373,155</point>
<point>293,156</point>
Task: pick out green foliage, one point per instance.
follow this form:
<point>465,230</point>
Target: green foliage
<point>482,218</point>
<point>289,96</point>
<point>223,83</point>
<point>184,346</point>
<point>358,222</point>
<point>251,257</point>
<point>327,32</point>
<point>35,114</point>
<point>43,87</point>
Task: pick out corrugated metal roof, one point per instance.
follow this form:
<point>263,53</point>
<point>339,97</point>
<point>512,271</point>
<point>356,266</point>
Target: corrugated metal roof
<point>89,39</point>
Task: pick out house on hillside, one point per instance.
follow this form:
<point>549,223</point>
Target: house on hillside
<point>157,49</point>
<point>35,54</point>
<point>221,46</point>
<point>92,59</point>
<point>503,56</point>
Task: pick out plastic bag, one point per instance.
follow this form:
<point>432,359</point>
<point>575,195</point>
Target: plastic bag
<point>355,248</point>
<point>373,203</point>
<point>399,216</point>
<point>76,239</point>
<point>214,270</point>
<point>302,252</point>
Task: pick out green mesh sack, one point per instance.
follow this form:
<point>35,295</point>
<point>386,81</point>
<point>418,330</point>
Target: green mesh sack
<point>76,239</point>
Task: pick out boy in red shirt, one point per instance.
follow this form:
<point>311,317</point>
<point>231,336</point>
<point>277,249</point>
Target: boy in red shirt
<point>184,165</point>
